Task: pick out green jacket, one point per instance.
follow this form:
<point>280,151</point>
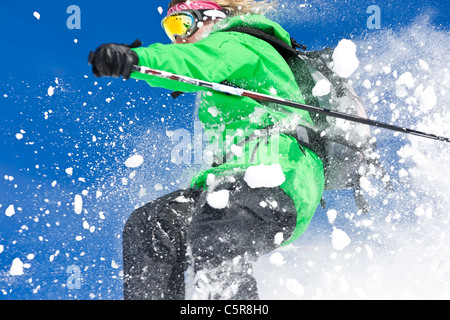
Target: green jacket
<point>235,125</point>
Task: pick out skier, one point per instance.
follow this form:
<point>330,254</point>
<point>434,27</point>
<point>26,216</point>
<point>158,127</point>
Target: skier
<point>268,181</point>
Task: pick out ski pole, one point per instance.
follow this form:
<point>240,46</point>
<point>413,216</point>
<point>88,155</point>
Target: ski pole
<point>223,88</point>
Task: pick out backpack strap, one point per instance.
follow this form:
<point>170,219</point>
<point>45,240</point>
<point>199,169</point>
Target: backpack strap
<point>291,55</point>
<point>285,50</point>
<point>288,52</point>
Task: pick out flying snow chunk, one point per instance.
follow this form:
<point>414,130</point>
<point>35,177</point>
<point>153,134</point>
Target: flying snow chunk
<point>423,212</point>
<point>366,84</point>
<point>210,179</point>
<point>345,61</point>
<point>50,91</point>
<point>114,265</point>
<point>424,65</point>
<point>214,14</point>
<point>134,161</point>
<point>213,111</point>
<point>264,176</point>
<point>236,150</point>
<point>406,79</point>
<point>322,88</point>
<point>339,239</point>
<point>428,99</point>
<point>331,215</point>
<point>78,204</point>
<point>278,239</point>
<point>10,211</point>
<point>277,259</point>
<point>273,91</point>
<point>218,199</point>
<point>160,10</point>
<point>37,15</point>
<point>16,267</point>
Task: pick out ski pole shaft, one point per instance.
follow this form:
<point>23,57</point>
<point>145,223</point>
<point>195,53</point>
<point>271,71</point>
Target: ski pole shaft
<point>264,97</point>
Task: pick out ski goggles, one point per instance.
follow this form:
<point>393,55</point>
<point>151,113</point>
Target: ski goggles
<point>184,24</point>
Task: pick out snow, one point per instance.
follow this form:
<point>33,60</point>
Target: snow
<point>367,84</point>
<point>114,265</point>
<point>279,238</point>
<point>399,249</point>
<point>264,176</point>
<point>236,150</point>
<point>210,179</point>
<point>424,212</point>
<point>16,267</point>
<point>134,161</point>
<point>182,199</point>
<point>406,79</point>
<point>428,98</point>
<point>322,88</point>
<point>50,91</point>
<point>345,61</point>
<point>10,211</point>
<point>273,91</point>
<point>78,204</point>
<point>218,199</point>
<point>339,239</point>
<point>277,259</point>
<point>401,91</point>
<point>37,15</point>
<point>331,214</point>
<point>213,111</point>
<point>424,65</point>
<point>386,69</point>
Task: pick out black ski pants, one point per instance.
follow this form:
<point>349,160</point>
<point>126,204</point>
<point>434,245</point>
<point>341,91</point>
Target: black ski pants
<point>162,237</point>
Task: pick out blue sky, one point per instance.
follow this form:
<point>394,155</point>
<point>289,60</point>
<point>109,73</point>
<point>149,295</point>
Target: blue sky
<point>92,125</point>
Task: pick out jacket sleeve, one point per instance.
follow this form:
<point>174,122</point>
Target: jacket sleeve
<point>216,58</point>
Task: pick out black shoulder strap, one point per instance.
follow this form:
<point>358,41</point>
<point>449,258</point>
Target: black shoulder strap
<point>286,51</point>
<point>291,55</point>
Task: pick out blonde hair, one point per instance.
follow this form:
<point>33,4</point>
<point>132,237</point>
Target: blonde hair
<point>238,7</point>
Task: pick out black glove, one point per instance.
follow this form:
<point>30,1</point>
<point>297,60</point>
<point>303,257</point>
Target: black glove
<point>114,60</point>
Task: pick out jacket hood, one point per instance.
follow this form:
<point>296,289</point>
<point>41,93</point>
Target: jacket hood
<point>254,21</point>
